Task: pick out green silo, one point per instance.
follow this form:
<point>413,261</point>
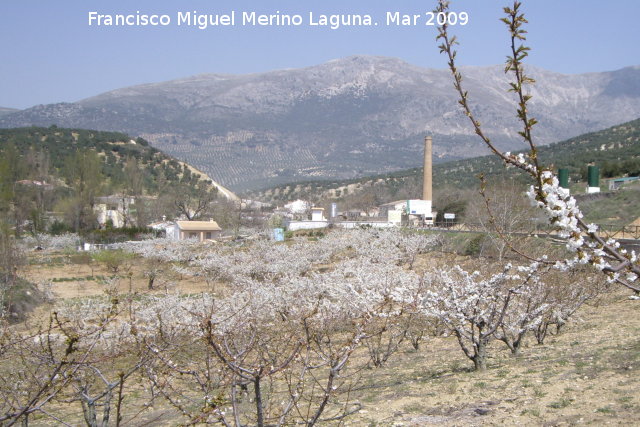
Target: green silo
<point>563,177</point>
<point>593,176</point>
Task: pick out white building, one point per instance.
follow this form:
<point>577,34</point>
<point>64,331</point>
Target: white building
<point>317,214</point>
<point>114,210</point>
<point>183,230</point>
<point>201,230</point>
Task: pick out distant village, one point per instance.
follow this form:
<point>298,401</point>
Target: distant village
<point>115,212</point>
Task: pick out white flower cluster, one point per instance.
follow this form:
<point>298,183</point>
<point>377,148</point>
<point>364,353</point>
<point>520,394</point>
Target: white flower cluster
<point>168,250</point>
<point>48,241</point>
<point>560,208</point>
<point>565,216</point>
<point>520,160</point>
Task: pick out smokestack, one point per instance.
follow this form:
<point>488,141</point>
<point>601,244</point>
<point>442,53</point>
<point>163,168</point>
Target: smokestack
<point>427,173</point>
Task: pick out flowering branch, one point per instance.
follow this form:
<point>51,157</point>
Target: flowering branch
<point>559,206</point>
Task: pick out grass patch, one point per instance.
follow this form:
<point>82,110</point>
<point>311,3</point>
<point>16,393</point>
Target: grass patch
<point>414,408</point>
<point>619,208</point>
<point>79,279</point>
<point>532,411</point>
<point>559,404</point>
<point>537,392</point>
<point>503,373</point>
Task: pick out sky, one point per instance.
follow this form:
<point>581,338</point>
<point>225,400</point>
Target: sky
<point>51,53</point>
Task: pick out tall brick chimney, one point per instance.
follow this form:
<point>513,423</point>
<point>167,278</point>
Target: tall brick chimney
<point>427,174</point>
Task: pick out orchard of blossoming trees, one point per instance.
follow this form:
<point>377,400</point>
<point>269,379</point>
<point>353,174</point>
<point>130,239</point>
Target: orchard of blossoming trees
<point>286,328</point>
<point>279,340</point>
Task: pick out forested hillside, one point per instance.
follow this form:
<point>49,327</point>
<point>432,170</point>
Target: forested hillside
<point>53,176</point>
<point>114,148</point>
<point>615,150</point>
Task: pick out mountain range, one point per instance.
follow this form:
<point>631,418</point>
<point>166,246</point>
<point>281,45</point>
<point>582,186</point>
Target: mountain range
<point>348,117</point>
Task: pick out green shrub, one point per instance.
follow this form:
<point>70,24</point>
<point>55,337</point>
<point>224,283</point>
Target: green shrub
<point>57,228</point>
<point>474,246</point>
<point>80,258</point>
<point>113,259</point>
<point>19,299</point>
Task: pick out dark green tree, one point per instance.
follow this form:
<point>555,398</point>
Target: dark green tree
<point>83,172</point>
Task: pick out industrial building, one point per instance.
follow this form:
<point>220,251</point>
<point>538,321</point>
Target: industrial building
<point>417,212</point>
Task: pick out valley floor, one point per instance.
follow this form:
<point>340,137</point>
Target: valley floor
<point>587,374</point>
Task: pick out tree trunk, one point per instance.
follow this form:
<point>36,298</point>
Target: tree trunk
<point>107,409</point>
<point>480,355</point>
<point>480,362</point>
<point>541,332</point>
<point>89,412</point>
<point>258,393</point>
<point>517,344</point>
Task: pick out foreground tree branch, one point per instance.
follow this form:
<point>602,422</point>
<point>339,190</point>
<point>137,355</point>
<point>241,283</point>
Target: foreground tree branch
<point>561,209</point>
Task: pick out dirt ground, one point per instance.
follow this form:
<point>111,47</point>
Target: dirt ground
<point>76,280</point>
<point>588,374</point>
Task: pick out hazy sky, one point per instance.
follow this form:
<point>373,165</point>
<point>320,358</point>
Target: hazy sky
<point>51,53</point>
